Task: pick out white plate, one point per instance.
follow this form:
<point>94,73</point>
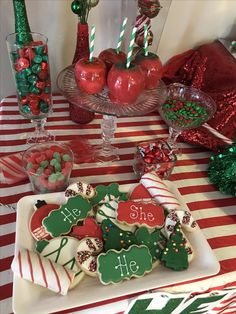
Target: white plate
<point>30,298</point>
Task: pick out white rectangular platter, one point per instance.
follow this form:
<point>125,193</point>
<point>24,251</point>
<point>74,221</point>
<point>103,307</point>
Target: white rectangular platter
<point>30,298</point>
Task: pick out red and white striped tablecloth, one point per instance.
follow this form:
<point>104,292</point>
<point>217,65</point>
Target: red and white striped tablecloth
<point>214,211</point>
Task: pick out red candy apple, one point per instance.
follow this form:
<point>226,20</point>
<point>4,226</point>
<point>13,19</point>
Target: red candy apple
<point>152,68</point>
<point>110,57</point>
<point>125,85</point>
<point>90,76</point>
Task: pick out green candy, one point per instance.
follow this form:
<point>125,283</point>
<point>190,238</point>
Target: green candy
<point>20,75</point>
<point>45,58</point>
<point>66,157</point>
<point>34,90</point>
<point>60,177</point>
<point>40,170</point>
<point>27,71</point>
<point>33,79</point>
<point>39,50</point>
<point>43,107</point>
<point>44,164</point>
<point>57,167</point>
<point>36,68</point>
<point>57,156</point>
<point>53,162</point>
<point>52,178</point>
<point>22,93</point>
<point>38,59</point>
<point>47,90</point>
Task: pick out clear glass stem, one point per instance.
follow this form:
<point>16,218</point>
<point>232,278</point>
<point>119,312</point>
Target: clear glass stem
<point>173,135</point>
<point>40,135</point>
<point>106,152</point>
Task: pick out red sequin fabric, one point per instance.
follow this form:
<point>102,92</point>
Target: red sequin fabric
<point>212,69</point>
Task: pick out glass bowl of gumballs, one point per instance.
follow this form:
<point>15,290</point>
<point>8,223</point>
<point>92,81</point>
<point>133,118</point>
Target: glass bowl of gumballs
<point>48,166</point>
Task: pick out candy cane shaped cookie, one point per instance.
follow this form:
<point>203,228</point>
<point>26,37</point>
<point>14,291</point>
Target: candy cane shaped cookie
<point>80,188</point>
<point>159,191</point>
<point>42,271</point>
<point>87,252</point>
<point>183,217</point>
<point>186,220</point>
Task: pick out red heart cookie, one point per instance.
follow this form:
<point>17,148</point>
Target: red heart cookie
<point>89,229</point>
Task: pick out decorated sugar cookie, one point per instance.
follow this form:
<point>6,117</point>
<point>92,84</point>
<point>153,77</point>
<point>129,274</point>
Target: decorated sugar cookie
<point>116,238</point>
<point>35,225</point>
<point>140,214</point>
<point>89,229</point>
<point>159,191</point>
<point>155,241</point>
<point>62,251</point>
<point>140,193</point>
<point>107,193</point>
<point>109,210</point>
<point>86,255</point>
<point>42,271</point>
<point>80,188</point>
<point>178,216</point>
<point>61,221</point>
<point>175,254</point>
<point>116,266</point>
<point>186,220</point>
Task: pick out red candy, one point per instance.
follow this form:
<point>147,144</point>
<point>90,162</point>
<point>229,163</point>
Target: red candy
<point>40,85</point>
<point>43,74</point>
<point>21,63</point>
<point>154,156</point>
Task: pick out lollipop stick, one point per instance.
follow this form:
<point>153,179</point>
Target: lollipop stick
<point>146,39</point>
<point>122,31</point>
<point>131,46</point>
<point>91,43</point>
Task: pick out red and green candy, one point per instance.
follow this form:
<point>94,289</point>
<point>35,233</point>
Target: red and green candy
<point>49,170</point>
<point>32,79</point>
<point>185,113</point>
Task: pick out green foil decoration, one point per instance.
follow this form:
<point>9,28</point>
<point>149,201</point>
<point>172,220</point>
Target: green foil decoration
<point>222,170</point>
<point>22,27</point>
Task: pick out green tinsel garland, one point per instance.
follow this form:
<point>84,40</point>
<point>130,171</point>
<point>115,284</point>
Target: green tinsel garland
<point>222,170</point>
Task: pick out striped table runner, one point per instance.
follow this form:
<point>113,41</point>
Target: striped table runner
<point>214,211</point>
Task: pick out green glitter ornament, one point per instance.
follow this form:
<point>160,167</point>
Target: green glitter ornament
<point>222,170</point>
<point>22,27</point>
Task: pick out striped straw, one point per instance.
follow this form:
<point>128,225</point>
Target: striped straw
<point>91,44</point>
<point>146,39</point>
<point>122,31</point>
<point>131,46</point>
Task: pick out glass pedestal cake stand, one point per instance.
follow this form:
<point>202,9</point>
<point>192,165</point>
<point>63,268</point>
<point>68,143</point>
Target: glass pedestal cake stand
<point>100,103</point>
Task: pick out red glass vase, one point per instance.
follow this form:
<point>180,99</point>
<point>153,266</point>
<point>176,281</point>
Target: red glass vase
<point>77,114</point>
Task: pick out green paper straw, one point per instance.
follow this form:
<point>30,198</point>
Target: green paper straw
<point>131,46</point>
<point>146,39</point>
<point>122,31</point>
<point>91,43</point>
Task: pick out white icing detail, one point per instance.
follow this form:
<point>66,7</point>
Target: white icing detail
<point>138,214</point>
<point>73,215</point>
<point>40,233</point>
<point>126,268</point>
